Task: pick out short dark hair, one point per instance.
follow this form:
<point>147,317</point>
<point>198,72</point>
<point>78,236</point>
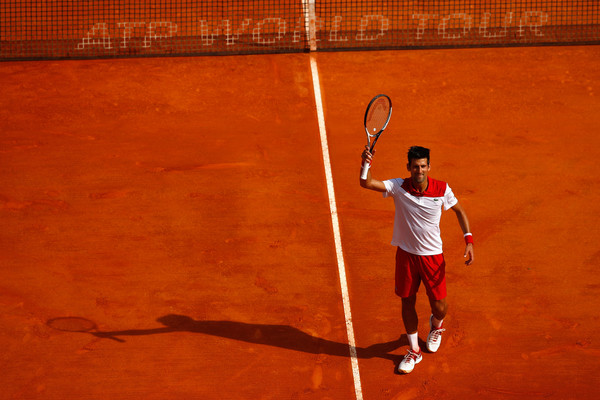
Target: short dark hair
<point>418,152</point>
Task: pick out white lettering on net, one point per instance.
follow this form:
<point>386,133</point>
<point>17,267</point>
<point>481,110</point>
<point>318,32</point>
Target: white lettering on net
<point>384,24</point>
<point>128,30</point>
<point>229,39</point>
<point>232,38</point>
<point>335,29</point>
<point>90,37</point>
<point>467,19</point>
<point>152,35</point>
<point>483,28</point>
<point>300,30</point>
<point>208,39</point>
<point>281,29</point>
<point>526,20</point>
<point>423,18</point>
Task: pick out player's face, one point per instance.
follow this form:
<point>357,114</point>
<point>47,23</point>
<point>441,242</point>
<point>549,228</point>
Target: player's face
<point>419,168</point>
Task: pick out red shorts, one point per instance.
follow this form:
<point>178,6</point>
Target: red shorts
<point>412,269</point>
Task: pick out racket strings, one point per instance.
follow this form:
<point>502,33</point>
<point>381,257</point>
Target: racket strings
<point>378,117</point>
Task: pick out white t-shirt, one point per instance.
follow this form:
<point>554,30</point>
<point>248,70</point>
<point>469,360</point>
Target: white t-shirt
<point>417,219</point>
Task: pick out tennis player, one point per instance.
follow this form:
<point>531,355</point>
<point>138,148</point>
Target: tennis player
<point>419,200</point>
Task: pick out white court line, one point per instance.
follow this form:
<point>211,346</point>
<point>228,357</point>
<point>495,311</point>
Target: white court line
<point>336,228</point>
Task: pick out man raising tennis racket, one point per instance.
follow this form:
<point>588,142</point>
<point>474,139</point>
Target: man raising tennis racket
<point>419,200</point>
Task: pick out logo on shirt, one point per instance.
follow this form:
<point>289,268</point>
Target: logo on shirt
<point>436,201</point>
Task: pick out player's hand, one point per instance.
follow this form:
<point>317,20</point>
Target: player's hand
<point>367,155</point>
<point>469,254</point>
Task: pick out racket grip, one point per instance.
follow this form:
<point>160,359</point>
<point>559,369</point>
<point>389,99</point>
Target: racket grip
<point>365,170</point>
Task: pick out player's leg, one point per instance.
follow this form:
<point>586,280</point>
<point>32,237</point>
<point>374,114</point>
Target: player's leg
<point>411,322</point>
<point>439,309</point>
<point>407,284</point>
<point>433,271</point>
<point>410,318</point>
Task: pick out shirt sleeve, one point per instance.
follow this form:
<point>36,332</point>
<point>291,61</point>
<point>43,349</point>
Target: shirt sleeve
<point>391,186</point>
<point>449,199</point>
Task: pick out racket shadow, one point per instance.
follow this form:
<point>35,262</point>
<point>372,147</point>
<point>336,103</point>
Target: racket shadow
<point>282,336</point>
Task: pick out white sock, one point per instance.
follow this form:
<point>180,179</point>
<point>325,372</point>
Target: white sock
<point>436,322</point>
<point>413,341</point>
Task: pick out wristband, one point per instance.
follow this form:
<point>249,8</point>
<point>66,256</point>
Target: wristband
<point>468,238</point>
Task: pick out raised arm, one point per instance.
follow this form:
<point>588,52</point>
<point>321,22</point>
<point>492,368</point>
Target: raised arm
<point>463,221</point>
<point>370,183</point>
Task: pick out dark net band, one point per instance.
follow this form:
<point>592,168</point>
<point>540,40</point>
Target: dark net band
<point>51,29</point>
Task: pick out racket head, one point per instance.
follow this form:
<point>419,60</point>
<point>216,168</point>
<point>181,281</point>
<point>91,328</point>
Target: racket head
<point>377,115</point>
<point>72,324</point>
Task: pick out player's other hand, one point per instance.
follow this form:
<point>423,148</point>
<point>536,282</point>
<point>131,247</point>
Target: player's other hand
<point>469,254</point>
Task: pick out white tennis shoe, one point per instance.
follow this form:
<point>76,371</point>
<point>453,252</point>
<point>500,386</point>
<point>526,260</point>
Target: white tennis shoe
<point>411,359</point>
<point>434,339</point>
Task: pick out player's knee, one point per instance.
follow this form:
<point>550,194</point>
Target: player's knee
<point>439,308</point>
<point>410,301</point>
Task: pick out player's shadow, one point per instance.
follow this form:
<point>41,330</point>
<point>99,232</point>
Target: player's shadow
<point>283,336</point>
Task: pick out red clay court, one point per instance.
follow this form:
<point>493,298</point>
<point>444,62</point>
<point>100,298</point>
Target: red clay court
<point>167,230</point>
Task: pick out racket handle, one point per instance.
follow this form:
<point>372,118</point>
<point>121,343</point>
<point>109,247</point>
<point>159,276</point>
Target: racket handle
<point>365,170</point>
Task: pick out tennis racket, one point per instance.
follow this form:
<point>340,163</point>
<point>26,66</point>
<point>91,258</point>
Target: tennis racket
<point>81,325</point>
<point>377,117</point>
